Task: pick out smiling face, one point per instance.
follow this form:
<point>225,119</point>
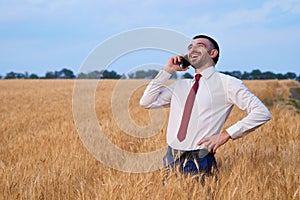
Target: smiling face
<point>201,53</point>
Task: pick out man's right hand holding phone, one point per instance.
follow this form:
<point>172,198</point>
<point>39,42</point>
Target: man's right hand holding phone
<point>173,64</point>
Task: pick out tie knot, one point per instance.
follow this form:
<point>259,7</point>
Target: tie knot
<point>197,77</point>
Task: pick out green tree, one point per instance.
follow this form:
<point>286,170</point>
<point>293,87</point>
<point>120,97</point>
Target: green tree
<point>236,74</point>
<point>14,75</point>
<point>256,74</point>
<point>290,75</point>
<point>246,76</point>
<point>227,73</point>
<point>50,75</point>
<point>150,74</point>
<point>94,75</point>
<point>140,74</point>
<point>20,76</point>
<point>280,76</point>
<point>110,75</point>
<point>33,76</point>
<point>10,75</point>
<point>65,74</point>
<point>131,75</point>
<point>268,75</point>
<point>187,75</point>
<point>82,75</point>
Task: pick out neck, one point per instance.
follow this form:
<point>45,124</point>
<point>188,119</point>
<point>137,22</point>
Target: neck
<point>202,68</point>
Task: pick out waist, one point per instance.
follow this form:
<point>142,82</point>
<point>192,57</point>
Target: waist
<point>199,153</point>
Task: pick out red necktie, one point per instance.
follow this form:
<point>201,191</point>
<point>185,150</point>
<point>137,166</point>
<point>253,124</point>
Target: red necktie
<point>188,109</point>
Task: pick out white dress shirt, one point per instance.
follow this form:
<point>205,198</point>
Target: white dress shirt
<point>217,93</point>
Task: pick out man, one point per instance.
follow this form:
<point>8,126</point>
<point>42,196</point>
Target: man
<point>200,107</point>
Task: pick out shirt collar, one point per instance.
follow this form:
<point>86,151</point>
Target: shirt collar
<point>208,72</point>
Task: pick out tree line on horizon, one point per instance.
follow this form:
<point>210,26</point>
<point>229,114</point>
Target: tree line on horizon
<point>149,74</point>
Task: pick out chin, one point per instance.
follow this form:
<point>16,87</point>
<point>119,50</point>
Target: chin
<point>195,66</point>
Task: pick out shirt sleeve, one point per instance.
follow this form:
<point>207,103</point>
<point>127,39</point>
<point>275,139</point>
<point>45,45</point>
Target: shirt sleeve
<point>157,94</point>
<point>257,112</point>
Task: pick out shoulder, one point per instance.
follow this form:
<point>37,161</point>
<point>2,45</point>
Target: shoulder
<point>229,80</point>
<point>228,77</point>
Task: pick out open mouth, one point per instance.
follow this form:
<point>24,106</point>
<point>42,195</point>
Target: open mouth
<point>194,55</point>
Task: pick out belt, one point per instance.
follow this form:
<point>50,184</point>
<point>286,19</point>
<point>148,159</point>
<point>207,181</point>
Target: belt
<point>174,155</point>
<point>199,153</point>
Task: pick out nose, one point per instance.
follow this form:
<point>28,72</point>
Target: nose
<point>191,47</point>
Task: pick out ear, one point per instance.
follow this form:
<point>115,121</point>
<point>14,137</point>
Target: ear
<point>214,53</point>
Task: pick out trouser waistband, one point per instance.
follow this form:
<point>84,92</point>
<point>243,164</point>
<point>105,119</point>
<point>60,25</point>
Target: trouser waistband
<point>173,155</point>
<point>199,153</point>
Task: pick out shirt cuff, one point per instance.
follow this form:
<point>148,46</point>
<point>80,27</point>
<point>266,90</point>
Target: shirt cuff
<point>234,131</point>
<point>163,76</point>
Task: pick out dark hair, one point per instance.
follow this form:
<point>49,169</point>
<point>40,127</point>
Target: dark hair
<point>214,43</point>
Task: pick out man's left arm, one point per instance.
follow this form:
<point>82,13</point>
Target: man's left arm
<point>258,114</point>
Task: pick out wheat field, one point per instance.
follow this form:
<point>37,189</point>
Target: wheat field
<point>43,157</point>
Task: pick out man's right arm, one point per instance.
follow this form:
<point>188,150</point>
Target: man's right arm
<point>157,94</point>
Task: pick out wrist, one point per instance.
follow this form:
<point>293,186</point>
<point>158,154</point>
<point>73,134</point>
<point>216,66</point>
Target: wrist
<point>170,70</point>
<point>226,134</point>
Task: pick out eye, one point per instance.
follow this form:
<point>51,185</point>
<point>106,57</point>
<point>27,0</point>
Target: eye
<point>200,44</point>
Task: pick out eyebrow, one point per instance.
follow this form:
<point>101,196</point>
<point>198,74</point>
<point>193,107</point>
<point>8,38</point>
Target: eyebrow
<point>198,43</point>
<point>201,43</point>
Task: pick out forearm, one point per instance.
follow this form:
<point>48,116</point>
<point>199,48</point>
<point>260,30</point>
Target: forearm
<point>156,94</point>
<point>252,121</point>
<point>170,70</point>
<point>258,114</point>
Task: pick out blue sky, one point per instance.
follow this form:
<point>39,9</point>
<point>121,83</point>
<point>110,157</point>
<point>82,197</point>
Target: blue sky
<point>39,36</point>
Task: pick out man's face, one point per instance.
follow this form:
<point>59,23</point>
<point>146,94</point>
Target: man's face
<point>199,52</point>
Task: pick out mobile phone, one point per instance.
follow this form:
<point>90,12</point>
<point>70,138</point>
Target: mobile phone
<point>184,61</point>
